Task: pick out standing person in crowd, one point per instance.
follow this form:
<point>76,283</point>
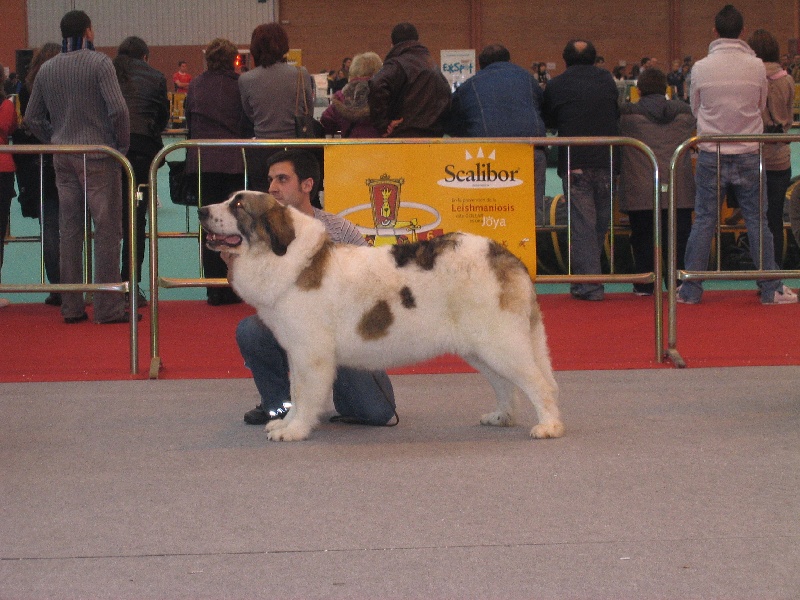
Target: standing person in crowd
<point>409,96</point>
<point>348,111</point>
<point>214,111</point>
<point>35,174</point>
<point>777,116</point>
<point>729,91</point>
<point>8,123</point>
<point>269,96</point>
<point>76,99</point>
<point>501,100</point>
<point>182,78</point>
<point>145,91</point>
<point>663,125</point>
<point>582,101</point>
<point>675,79</point>
<point>359,396</point>
<point>542,76</point>
<point>342,75</point>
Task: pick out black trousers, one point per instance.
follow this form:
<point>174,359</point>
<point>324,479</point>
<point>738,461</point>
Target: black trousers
<point>642,241</point>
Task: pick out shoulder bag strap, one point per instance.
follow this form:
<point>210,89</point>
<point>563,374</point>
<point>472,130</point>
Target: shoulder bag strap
<point>301,91</point>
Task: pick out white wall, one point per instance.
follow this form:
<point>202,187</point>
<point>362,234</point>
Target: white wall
<point>160,22</point>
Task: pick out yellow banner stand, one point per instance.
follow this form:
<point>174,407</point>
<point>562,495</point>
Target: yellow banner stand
<point>399,194</point>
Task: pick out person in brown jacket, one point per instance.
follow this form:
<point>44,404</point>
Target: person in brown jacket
<point>663,125</point>
<point>409,96</point>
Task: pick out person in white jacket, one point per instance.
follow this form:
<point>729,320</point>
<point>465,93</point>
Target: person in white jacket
<point>728,93</point>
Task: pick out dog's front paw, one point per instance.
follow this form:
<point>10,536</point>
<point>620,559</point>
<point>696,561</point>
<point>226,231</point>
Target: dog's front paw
<point>553,429</point>
<point>497,419</point>
<point>276,424</point>
<point>293,432</point>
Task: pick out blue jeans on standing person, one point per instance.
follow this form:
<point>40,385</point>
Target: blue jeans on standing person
<point>739,172</point>
<point>364,396</point>
<point>591,216</point>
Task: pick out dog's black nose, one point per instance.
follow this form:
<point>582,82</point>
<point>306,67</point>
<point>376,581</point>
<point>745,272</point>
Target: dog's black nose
<point>202,212</point>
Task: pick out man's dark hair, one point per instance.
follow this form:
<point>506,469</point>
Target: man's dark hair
<point>729,22</point>
<point>74,24</point>
<point>652,81</point>
<point>133,46</point>
<point>493,53</point>
<point>584,55</point>
<point>404,32</point>
<point>305,165</point>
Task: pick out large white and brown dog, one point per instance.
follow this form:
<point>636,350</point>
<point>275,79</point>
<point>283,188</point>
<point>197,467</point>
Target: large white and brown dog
<point>373,308</point>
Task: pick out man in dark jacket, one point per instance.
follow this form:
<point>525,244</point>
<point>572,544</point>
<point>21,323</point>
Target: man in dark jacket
<point>145,91</point>
<point>409,96</point>
<point>580,102</point>
<point>500,100</point>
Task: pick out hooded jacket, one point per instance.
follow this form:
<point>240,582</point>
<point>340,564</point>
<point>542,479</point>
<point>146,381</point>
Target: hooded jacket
<point>663,125</point>
<point>728,93</point>
<point>778,111</point>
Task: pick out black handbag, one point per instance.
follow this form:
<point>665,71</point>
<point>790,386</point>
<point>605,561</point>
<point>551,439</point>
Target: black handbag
<point>182,185</point>
<point>305,125</point>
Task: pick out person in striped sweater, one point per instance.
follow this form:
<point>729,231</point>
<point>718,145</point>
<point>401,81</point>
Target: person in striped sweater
<point>76,99</point>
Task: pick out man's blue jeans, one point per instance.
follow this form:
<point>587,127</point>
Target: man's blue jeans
<point>740,173</point>
<point>365,396</point>
<point>590,216</point>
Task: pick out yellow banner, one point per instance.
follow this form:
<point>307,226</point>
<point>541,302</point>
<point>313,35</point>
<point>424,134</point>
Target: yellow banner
<point>403,193</point>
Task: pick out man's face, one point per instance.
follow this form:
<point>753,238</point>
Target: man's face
<point>287,187</point>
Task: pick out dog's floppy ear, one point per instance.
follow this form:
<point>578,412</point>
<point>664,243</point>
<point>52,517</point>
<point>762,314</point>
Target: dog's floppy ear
<point>277,224</point>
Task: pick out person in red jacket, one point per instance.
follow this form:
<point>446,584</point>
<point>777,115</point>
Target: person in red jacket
<point>8,123</point>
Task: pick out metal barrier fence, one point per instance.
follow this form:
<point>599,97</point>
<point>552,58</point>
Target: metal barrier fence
<point>86,286</point>
<point>157,281</point>
<point>717,274</point>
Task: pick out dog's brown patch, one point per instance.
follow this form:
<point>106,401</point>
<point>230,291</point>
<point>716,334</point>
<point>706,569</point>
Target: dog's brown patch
<point>407,298</point>
<point>266,218</point>
<point>375,323</point>
<point>311,277</point>
<point>424,254</point>
<point>509,270</point>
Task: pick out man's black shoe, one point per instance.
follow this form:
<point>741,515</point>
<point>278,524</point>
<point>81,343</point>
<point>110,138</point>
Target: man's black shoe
<point>78,319</point>
<point>124,318</point>
<point>258,416</point>
<point>53,299</point>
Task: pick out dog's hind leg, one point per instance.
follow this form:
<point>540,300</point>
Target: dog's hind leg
<point>503,415</point>
<point>310,387</point>
<point>525,364</point>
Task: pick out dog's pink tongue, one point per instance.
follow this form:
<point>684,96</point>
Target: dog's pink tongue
<point>228,240</point>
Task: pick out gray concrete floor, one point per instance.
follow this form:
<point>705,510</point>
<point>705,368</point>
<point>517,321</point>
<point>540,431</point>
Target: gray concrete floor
<point>669,484</point>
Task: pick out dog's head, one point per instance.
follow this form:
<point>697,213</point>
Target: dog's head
<point>245,220</point>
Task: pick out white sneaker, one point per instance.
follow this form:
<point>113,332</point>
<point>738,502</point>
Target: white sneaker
<point>783,296</point>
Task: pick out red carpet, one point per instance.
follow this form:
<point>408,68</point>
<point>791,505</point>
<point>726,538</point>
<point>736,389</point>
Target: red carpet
<point>197,341</point>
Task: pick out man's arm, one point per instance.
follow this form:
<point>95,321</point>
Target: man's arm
<point>382,90</point>
<point>116,106</point>
<point>163,104</point>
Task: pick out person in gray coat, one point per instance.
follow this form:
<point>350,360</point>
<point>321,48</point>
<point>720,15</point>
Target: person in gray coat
<point>663,125</point>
